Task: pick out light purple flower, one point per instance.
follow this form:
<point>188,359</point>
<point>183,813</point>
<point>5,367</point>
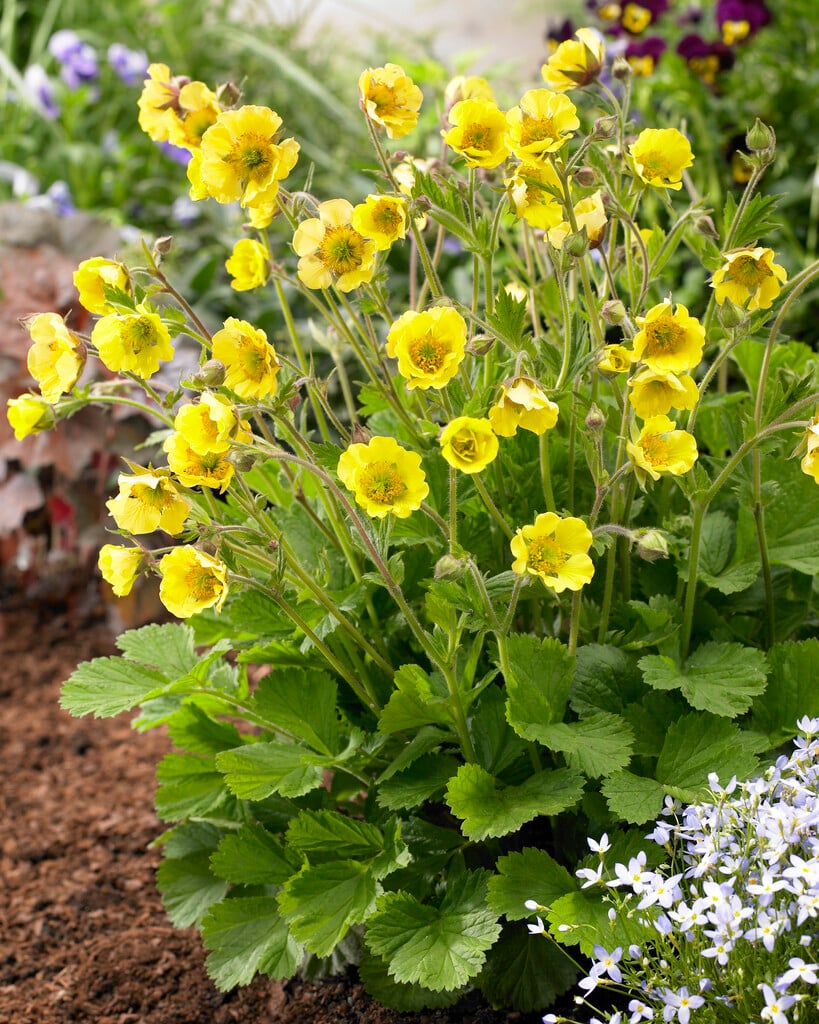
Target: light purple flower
<point>800,971</point>
<point>775,1005</point>
<point>680,1004</point>
<point>130,65</point>
<point>78,59</point>
<point>40,91</point>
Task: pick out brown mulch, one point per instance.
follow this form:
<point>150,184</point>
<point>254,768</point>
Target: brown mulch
<point>83,935</point>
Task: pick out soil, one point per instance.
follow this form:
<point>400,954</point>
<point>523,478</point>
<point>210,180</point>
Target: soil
<point>83,935</point>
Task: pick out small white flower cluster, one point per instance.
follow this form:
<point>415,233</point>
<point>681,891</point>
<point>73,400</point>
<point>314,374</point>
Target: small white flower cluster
<point>723,922</point>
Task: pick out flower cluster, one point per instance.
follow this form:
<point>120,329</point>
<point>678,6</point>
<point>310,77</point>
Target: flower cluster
<point>724,930</point>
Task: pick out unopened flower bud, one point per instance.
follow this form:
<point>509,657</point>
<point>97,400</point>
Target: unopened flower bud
<point>604,127</point>
<point>360,435</point>
<point>163,245</point>
<point>705,226</point>
<point>228,94</point>
<point>585,176</point>
<point>651,545</point>
<point>730,315</point>
<point>448,567</point>
<point>211,374</point>
<point>577,244</point>
<point>613,312</point>
<point>621,69</point>
<point>242,461</point>
<point>759,137</point>
<point>595,419</point>
<point>480,344</point>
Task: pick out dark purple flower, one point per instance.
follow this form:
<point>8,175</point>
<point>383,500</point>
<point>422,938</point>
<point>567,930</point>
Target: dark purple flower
<point>555,35</point>
<point>40,90</point>
<point>78,60</point>
<point>130,65</point>
<point>738,20</point>
<point>643,55</point>
<point>705,59</point>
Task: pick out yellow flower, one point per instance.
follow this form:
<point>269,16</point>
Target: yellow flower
<point>194,469</point>
<point>735,31</point>
<point>92,277</point>
<point>616,359</point>
<point>29,414</point>
<point>56,358</point>
<point>120,567</point>
<point>589,213</point>
<point>209,425</point>
<point>383,219</point>
<point>192,581</point>
<point>522,404</point>
<point>542,123</point>
<point>660,155</point>
<point>467,87</point>
<point>478,133</point>
<point>576,62</point>
<point>248,265</point>
<point>332,251</point>
<point>384,477</point>
<point>669,339</point>
<point>136,342</point>
<point>636,18</point>
<point>196,110</point>
<point>810,463</point>
<point>655,392</point>
<point>148,501</point>
<point>249,358</point>
<point>661,448</point>
<point>390,98</point>
<point>556,550</point>
<point>240,158</point>
<point>468,444</point>
<point>534,191</point>
<point>160,93</point>
<point>749,277</point>
<point>429,346</point>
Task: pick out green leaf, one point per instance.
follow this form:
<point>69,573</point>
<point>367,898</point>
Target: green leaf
<point>109,686</point>
<point>254,772</point>
<point>193,730</point>
<point>332,835</point>
<point>538,683</point>
<point>252,856</point>
<point>508,319</point>
<point>790,516</point>
<point>720,678</point>
<point>246,935</point>
<point>322,902</point>
<point>531,874</point>
<point>425,740</point>
<point>792,691</point>
<point>424,780</point>
<point>168,648</point>
<point>606,679</point>
<point>597,746</point>
<point>497,746</point>
<point>302,702</point>
<point>525,971</point>
<point>633,798</point>
<point>439,947</point>
<point>397,995</point>
<point>188,888</point>
<point>719,547</point>
<point>190,786</point>
<point>189,837</point>
<point>491,809</point>
<point>581,918</point>
<point>418,700</point>
<point>699,744</point>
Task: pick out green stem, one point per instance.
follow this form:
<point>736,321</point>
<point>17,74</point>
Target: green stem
<point>546,472</point>
<point>453,509</point>
<point>480,486</point>
<point>574,622</point>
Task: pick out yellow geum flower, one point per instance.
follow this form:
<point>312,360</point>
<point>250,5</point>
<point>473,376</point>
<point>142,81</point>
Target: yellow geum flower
<point>467,87</point>
<point>91,278</point>
<point>148,501</point>
<point>656,392</point>
<point>660,155</point>
<point>56,357</point>
<point>209,425</point>
<point>749,278</point>
<point>810,460</point>
<point>616,359</point>
<point>533,191</point>
<point>543,122</point>
<point>669,339</point>
<point>468,444</point>
<point>478,133</point>
<point>384,477</point>
<point>522,404</point>
<point>332,251</point>
<point>555,550</point>
<point>589,213</point>
<point>196,110</point>
<point>120,567</point>
<point>240,157</point>
<point>248,265</point>
<point>160,94</point>
<point>29,414</point>
<point>661,448</point>
<point>429,346</point>
<point>135,342</point>
<point>249,358</point>
<point>390,98</point>
<point>383,219</point>
<point>576,62</point>
<point>192,581</point>
<point>193,469</point>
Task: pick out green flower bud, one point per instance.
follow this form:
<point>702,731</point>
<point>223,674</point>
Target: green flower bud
<point>760,137</point>
<point>651,544</point>
<point>613,312</point>
<point>730,315</point>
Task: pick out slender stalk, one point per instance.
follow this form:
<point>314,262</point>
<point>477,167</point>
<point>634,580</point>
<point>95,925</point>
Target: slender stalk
<point>491,506</point>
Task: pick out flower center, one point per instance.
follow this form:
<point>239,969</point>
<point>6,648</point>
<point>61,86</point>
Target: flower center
<point>664,336</point>
<point>657,165</point>
<point>202,584</point>
<point>252,153</point>
<point>341,249</point>
<point>546,556</point>
<point>139,333</point>
<point>465,447</point>
<point>706,67</point>
<point>197,123</point>
<point>734,31</point>
<point>383,96</point>
<point>534,129</point>
<point>636,18</point>
<point>427,353</point>
<point>475,136</point>
<point>381,482</point>
<point>152,497</point>
<point>748,272</point>
<point>386,218</point>
<point>655,449</point>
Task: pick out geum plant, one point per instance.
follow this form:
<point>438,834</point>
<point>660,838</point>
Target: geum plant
<point>519,563</point>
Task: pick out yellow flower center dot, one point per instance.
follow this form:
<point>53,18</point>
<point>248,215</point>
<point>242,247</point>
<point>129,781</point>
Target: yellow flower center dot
<point>706,67</point>
<point>657,165</point>
<point>655,449</point>
<point>139,334</point>
<point>386,218</point>
<point>663,336</point>
<point>341,250</point>
<point>475,136</point>
<point>427,353</point>
<point>202,585</point>
<point>384,99</point>
<point>636,18</point>
<point>253,155</point>
<point>745,270</point>
<point>546,556</point>
<point>536,130</point>
<point>381,482</point>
